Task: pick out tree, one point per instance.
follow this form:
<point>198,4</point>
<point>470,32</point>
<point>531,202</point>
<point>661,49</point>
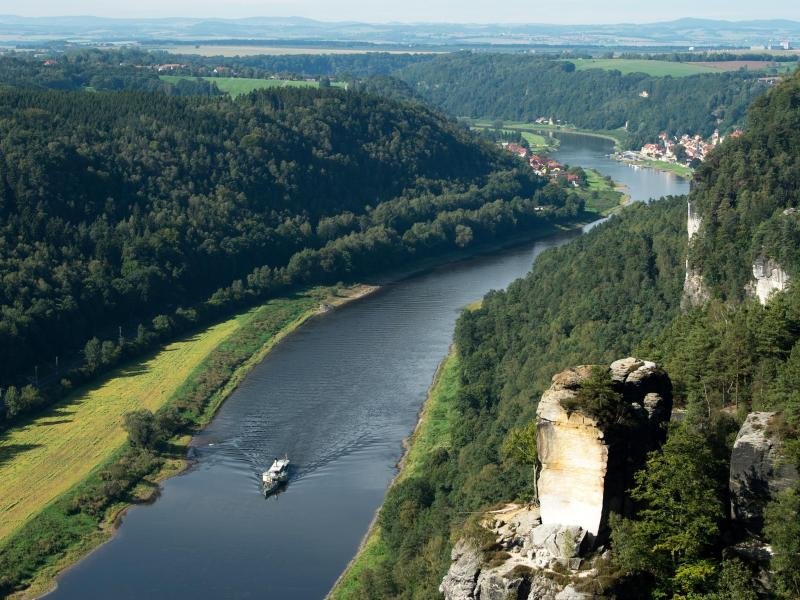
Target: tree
<point>598,398</point>
<point>679,492</point>
<point>782,529</point>
<point>93,354</point>
<point>463,235</point>
<point>141,428</point>
<point>12,404</point>
<point>521,447</point>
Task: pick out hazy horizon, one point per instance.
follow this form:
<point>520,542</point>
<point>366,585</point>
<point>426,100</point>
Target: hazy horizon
<point>577,12</point>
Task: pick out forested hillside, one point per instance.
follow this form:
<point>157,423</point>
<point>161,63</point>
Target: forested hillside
<point>613,293</point>
<point>128,216</point>
<point>95,70</point>
<point>744,188</point>
<point>524,88</point>
<point>591,300</point>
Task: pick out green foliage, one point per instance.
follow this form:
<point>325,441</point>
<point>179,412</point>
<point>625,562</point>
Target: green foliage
<point>681,510</point>
<point>119,208</point>
<point>742,190</point>
<point>525,88</point>
<point>141,428</point>
<point>594,298</point>
<point>782,529</point>
<point>597,398</point>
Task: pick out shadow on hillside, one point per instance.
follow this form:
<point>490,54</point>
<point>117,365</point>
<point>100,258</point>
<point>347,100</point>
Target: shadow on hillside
<point>10,451</point>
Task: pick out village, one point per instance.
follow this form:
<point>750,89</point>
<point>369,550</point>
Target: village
<point>687,150</point>
<point>544,166</point>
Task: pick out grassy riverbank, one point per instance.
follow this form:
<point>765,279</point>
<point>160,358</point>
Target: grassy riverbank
<point>78,451</point>
<point>660,165</point>
<point>51,463</point>
<point>618,136</point>
<point>433,431</point>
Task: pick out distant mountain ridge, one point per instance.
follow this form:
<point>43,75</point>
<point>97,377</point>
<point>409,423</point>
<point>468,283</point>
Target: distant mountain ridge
<point>687,31</point>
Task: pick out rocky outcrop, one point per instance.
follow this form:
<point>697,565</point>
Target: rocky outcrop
<point>588,466</point>
<point>757,471</point>
<point>551,552</point>
<point>693,221</point>
<point>769,278</point>
<point>461,578</point>
<point>529,561</point>
<point>695,291</point>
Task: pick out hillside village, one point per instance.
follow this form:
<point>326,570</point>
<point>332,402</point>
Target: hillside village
<point>685,150</point>
<point>544,166</point>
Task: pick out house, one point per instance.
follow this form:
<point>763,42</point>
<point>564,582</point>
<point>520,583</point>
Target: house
<point>50,62</point>
<point>518,150</point>
<point>169,67</point>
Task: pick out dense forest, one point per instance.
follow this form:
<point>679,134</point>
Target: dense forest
<point>127,217</point>
<point>616,292</point>
<point>134,69</point>
<point>524,88</point>
<point>742,192</point>
<point>95,70</point>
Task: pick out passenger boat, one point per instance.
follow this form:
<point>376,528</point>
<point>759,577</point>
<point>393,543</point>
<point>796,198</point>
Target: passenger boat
<point>275,476</point>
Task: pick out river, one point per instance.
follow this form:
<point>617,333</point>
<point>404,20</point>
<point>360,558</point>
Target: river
<point>338,396</point>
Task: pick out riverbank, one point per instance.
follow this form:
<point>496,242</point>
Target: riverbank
<point>659,165</point>
<point>72,454</point>
<point>618,136</point>
<point>431,433</point>
<point>209,375</point>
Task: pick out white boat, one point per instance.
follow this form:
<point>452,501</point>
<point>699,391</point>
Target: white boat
<point>275,476</point>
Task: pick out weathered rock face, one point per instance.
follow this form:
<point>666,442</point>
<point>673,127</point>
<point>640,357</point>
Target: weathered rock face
<point>531,562</point>
<point>459,583</point>
<point>757,471</point>
<point>587,468</point>
<point>769,278</point>
<point>695,291</point>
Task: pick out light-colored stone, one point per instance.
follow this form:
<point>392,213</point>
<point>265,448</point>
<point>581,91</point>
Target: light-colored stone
<point>460,580</point>
<point>757,470</point>
<point>560,541</point>
<point>769,279</point>
<point>575,485</point>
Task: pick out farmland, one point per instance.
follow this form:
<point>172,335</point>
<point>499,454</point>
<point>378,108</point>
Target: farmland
<point>61,447</point>
<point>654,68</point>
<point>248,50</point>
<point>235,86</point>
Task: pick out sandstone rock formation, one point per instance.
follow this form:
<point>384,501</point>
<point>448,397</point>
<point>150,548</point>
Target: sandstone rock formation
<point>586,467</point>
<point>695,291</point>
<point>757,471</point>
<point>530,562</point>
<point>769,278</point>
<point>551,552</point>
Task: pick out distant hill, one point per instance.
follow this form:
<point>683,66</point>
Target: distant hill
<point>682,32</point>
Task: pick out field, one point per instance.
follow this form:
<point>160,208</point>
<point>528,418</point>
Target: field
<point>433,431</point>
<point>655,68</point>
<point>750,65</point>
<point>539,143</point>
<point>618,136</point>
<point>660,165</point>
<point>235,86</point>
<point>245,50</point>
<point>601,195</point>
<point>55,451</point>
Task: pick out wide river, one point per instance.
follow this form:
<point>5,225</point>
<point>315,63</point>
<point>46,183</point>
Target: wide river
<point>338,397</point>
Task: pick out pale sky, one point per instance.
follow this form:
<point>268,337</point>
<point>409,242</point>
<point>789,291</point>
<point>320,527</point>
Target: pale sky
<point>462,11</point>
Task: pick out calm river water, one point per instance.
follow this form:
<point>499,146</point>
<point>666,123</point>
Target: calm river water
<point>338,396</point>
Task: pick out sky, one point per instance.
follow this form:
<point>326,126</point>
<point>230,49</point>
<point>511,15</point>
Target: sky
<point>462,11</point>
